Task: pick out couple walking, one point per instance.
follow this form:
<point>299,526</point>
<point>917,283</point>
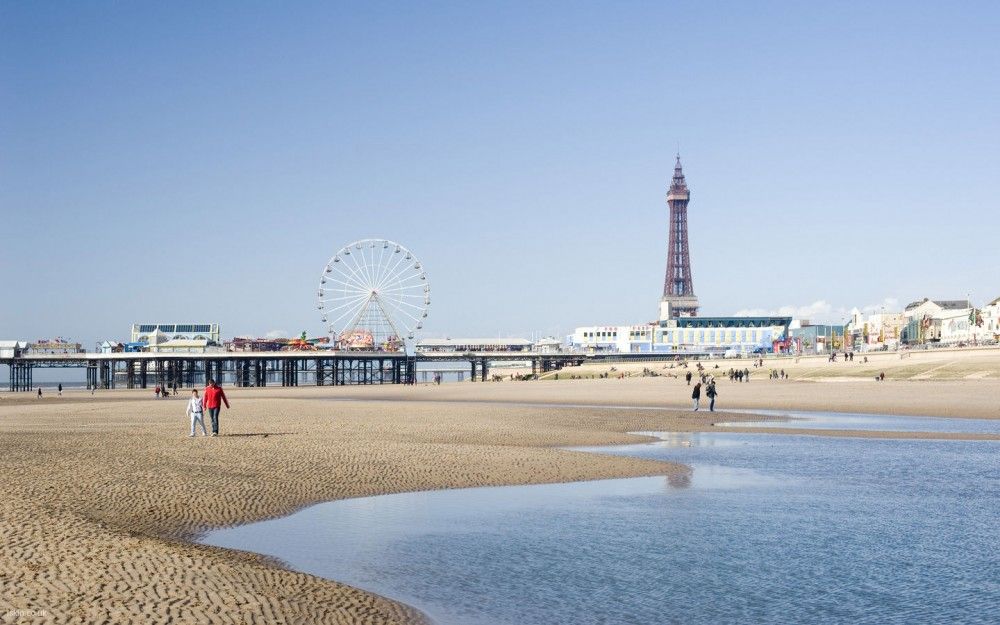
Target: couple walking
<point>710,391</point>
<point>212,402</point>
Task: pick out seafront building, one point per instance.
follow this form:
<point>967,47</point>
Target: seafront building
<point>813,339</point>
<point>726,336</point>
<point>950,322</point>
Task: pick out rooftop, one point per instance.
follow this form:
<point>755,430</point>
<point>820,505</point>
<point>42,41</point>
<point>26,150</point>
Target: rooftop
<point>946,304</point>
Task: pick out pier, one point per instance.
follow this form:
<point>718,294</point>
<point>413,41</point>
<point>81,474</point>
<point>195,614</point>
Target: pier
<point>241,369</point>
<point>132,370</point>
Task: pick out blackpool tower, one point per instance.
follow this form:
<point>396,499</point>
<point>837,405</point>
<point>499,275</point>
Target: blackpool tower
<point>678,290</point>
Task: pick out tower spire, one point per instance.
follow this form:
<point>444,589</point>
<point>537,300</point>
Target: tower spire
<point>678,184</point>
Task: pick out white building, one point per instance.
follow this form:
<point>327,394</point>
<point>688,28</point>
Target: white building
<point>548,345</point>
<point>177,331</point>
<point>951,322</point>
<point>991,320</point>
<point>626,339</point>
<point>12,349</point>
<point>876,330</point>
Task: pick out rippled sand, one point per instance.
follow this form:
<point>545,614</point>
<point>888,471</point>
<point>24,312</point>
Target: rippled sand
<point>102,494</point>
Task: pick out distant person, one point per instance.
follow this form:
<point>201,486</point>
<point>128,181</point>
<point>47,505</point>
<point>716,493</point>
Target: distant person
<point>711,393</point>
<point>696,395</point>
<point>60,389</point>
<point>746,375</point>
<point>157,391</point>
<point>212,402</point>
<point>881,377</point>
<point>196,411</point>
<point>39,392</point>
<point>688,378</point>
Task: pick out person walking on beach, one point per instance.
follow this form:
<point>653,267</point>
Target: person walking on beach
<point>688,378</point>
<point>60,389</point>
<point>39,392</point>
<point>214,398</point>
<point>196,411</point>
<point>157,391</point>
<point>696,395</point>
<point>711,393</point>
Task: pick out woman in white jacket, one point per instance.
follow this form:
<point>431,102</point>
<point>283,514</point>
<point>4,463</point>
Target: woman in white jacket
<point>196,412</point>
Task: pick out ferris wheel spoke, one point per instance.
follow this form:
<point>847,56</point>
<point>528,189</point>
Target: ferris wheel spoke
<point>414,319</point>
<point>348,300</point>
<point>392,271</point>
<point>351,312</point>
<point>411,305</point>
<point>344,302</point>
<point>349,306</point>
<point>348,276</point>
<point>383,264</point>
<point>363,279</point>
<point>406,283</point>
<point>370,265</point>
<point>336,295</point>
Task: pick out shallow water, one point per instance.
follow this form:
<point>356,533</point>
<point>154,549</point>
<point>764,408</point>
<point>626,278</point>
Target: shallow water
<point>766,529</point>
<point>857,421</point>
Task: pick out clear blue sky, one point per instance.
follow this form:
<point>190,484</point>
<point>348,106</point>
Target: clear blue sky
<point>197,162</point>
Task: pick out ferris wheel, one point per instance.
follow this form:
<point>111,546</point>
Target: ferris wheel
<point>373,295</point>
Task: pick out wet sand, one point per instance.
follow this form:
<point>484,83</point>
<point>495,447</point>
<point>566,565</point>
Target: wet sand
<point>103,494</point>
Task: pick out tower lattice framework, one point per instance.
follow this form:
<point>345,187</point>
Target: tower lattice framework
<point>678,287</point>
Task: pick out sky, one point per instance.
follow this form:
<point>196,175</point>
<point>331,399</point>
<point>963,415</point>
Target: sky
<point>201,162</point>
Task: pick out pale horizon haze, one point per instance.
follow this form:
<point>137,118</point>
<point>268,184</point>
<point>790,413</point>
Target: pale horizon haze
<point>192,162</point>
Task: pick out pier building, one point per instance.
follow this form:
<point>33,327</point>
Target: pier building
<point>474,345</point>
<point>142,332</point>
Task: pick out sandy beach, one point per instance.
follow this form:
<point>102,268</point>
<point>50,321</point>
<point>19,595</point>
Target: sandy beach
<point>103,494</point>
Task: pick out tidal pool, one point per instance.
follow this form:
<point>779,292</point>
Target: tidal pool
<point>766,529</point>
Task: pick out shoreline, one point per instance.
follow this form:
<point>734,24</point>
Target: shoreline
<point>144,492</point>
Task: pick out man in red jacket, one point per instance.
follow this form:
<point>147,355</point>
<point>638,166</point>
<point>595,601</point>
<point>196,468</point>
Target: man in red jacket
<point>213,399</point>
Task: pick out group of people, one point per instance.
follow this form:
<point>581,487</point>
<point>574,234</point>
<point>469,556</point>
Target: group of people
<point>739,375</point>
<point>163,392</point>
<point>778,375</point>
<point>212,402</point>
